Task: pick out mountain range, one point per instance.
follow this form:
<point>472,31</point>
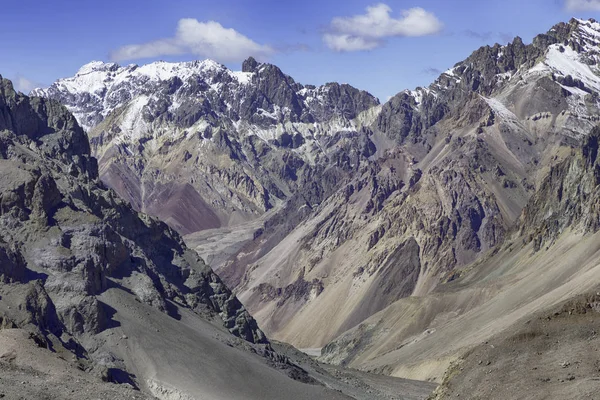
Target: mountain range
<point>401,238</point>
<point>94,293</point>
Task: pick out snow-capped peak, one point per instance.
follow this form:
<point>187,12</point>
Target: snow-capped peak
<point>96,76</point>
<point>578,59</point>
<point>588,32</point>
<point>97,66</point>
<point>591,23</point>
<point>99,88</point>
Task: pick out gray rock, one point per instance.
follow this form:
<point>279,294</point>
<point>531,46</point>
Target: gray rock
<point>68,239</point>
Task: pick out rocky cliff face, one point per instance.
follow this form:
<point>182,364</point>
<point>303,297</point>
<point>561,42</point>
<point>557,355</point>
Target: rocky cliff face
<point>66,239</point>
<point>567,199</point>
<point>372,203</point>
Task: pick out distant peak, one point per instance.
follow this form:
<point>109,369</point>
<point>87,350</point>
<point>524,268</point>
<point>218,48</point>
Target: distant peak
<point>250,65</point>
<point>579,21</point>
<point>97,66</point>
<point>590,23</point>
<point>211,64</point>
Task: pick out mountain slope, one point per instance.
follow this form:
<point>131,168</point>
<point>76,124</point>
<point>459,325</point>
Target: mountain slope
<point>226,145</point>
<point>552,256</point>
<point>551,354</point>
<point>457,163</point>
<point>89,285</point>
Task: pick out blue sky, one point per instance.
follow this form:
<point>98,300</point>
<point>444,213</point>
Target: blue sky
<point>383,47</point>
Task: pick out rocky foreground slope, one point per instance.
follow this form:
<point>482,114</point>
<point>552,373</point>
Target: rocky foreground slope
<point>92,292</point>
<point>550,354</point>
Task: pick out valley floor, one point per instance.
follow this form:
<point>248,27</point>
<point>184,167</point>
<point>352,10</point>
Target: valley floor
<point>357,384</point>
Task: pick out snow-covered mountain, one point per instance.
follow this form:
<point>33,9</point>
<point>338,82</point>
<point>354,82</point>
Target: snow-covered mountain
<point>226,143</point>
<point>99,88</point>
<point>260,94</point>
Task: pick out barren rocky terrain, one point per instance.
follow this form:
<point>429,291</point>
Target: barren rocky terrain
<point>550,354</point>
<point>449,235</point>
<point>551,256</point>
<point>112,301</point>
<point>28,371</point>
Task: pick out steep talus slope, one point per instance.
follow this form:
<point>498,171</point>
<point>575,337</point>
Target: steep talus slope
<point>93,286</point>
<point>455,164</point>
<point>551,256</point>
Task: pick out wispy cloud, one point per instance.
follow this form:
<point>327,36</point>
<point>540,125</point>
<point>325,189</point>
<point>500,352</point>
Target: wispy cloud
<point>503,37</point>
<point>582,5</point>
<point>432,71</point>
<point>369,30</point>
<point>291,48</point>
<point>506,37</point>
<point>204,39</point>
<point>346,42</point>
<point>25,85</point>
<point>485,36</point>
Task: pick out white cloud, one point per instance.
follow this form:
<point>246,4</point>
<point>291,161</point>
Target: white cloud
<point>204,39</point>
<point>24,85</point>
<point>344,42</point>
<point>582,5</point>
<point>365,32</point>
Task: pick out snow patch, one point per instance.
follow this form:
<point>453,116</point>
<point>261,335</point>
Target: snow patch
<point>132,120</point>
<point>450,72</point>
<point>500,109</point>
<point>243,78</point>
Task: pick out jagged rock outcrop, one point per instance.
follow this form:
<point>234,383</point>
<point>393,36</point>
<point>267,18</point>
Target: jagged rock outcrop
<point>567,199</point>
